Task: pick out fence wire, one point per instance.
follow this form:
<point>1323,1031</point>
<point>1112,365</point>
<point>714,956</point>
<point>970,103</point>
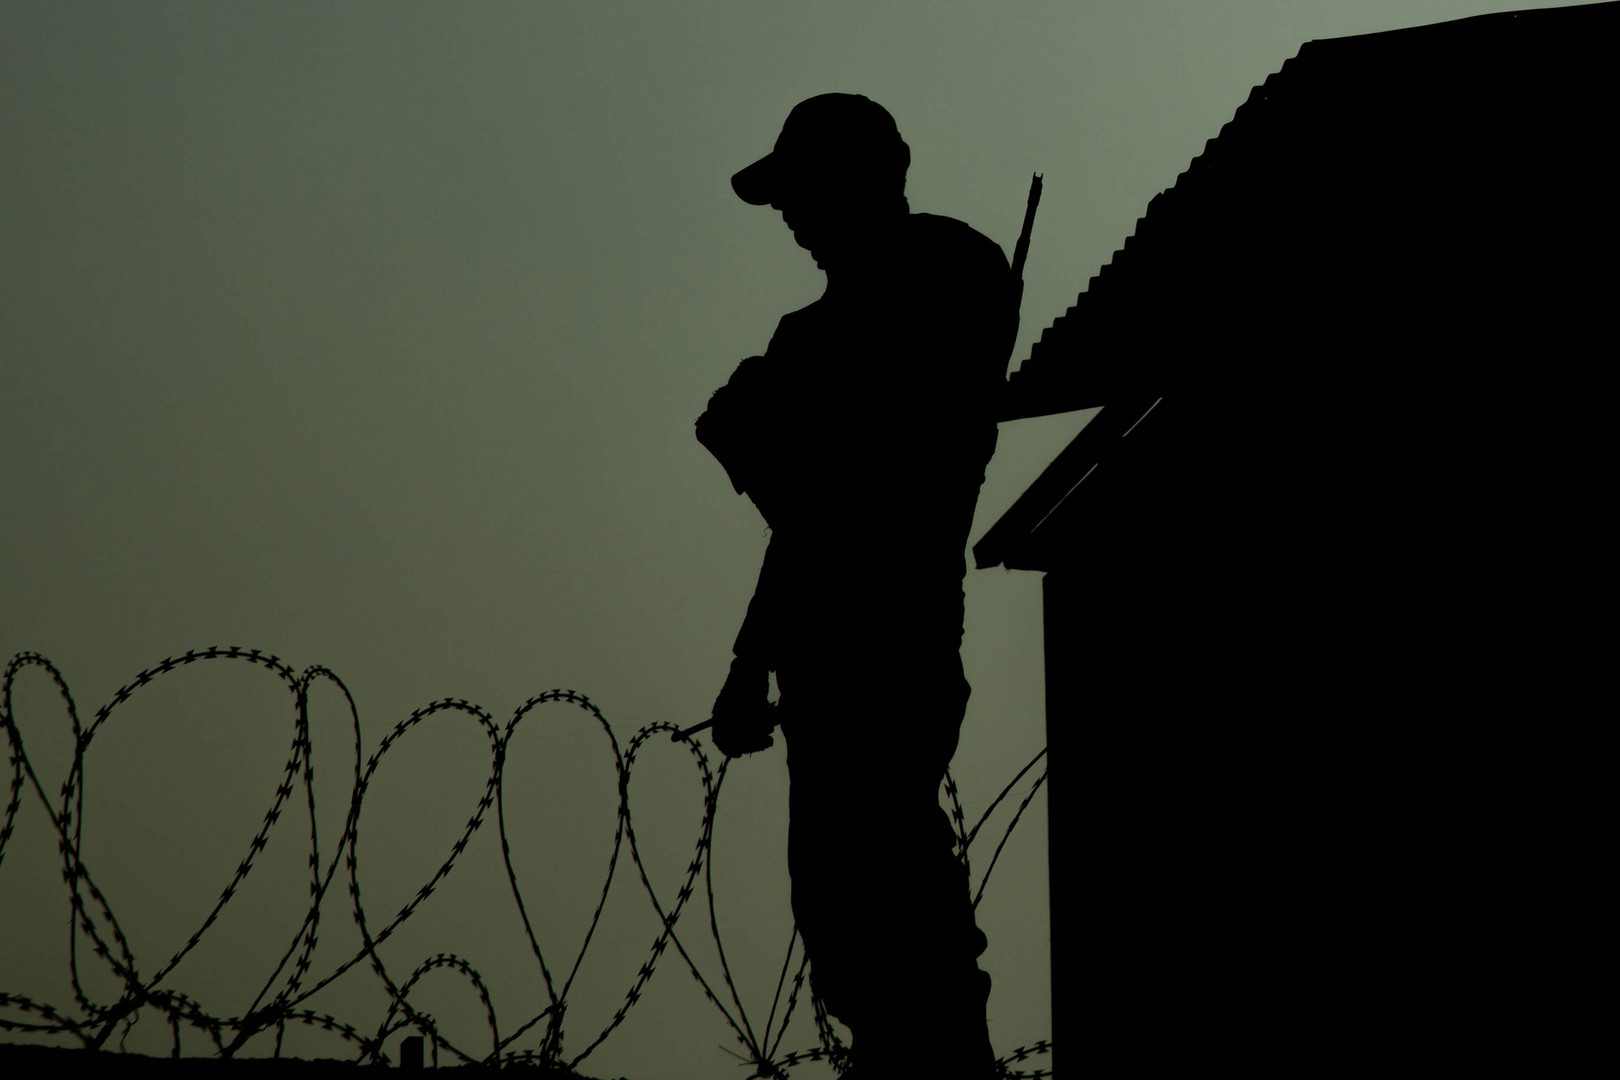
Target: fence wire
<point>283,999</point>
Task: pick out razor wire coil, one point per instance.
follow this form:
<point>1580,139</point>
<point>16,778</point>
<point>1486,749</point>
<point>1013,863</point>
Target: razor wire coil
<point>282,999</point>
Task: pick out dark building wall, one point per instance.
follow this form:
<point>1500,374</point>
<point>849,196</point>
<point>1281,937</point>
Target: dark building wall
<point>1303,619</point>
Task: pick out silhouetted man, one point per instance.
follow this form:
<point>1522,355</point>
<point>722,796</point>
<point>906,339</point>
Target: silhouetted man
<point>862,436</point>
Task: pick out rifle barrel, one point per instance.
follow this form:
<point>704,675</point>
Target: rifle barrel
<point>1021,252</point>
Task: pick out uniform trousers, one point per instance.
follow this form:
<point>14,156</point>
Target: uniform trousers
<point>880,895</point>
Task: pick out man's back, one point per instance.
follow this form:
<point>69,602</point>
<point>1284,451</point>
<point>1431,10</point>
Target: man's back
<point>871,427</point>
<point>886,383</point>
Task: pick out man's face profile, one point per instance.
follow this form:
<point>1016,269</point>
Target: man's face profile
<point>827,205</point>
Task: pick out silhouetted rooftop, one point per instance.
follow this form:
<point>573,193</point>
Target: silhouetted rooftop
<point>1384,219</point>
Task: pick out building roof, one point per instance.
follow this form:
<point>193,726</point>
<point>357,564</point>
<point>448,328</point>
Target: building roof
<point>1381,214</point>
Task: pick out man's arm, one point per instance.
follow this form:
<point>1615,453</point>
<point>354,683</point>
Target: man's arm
<point>742,715</point>
<point>732,428</point>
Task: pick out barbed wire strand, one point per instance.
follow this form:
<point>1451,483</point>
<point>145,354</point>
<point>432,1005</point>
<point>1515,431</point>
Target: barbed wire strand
<point>552,1045</point>
<point>1007,835</point>
<point>997,801</point>
<point>776,999</point>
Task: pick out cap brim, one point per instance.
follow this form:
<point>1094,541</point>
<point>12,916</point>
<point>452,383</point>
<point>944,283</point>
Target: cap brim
<point>757,183</point>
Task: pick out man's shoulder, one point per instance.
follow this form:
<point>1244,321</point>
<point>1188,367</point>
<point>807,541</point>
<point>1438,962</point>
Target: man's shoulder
<point>957,243</point>
<point>808,315</point>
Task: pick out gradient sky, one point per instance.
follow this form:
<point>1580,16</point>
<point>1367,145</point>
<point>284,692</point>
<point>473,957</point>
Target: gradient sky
<point>372,335</point>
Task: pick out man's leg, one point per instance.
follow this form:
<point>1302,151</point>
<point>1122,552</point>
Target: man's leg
<point>880,895</point>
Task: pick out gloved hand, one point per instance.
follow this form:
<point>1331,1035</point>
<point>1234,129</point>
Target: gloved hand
<point>742,713</point>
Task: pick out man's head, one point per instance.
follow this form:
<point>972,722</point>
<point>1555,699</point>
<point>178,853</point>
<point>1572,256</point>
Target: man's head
<point>838,167</point>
